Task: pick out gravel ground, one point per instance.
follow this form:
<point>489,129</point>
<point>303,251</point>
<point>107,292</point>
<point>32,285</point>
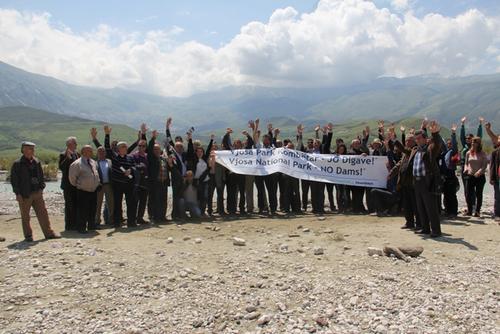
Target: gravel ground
<point>191,278</point>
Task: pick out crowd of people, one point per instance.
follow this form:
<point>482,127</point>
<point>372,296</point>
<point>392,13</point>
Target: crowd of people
<point>422,181</point>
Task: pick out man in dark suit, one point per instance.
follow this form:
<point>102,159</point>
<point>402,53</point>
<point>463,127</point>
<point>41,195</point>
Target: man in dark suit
<point>426,178</point>
<point>66,158</point>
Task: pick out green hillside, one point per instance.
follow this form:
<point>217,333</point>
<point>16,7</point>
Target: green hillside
<point>48,130</point>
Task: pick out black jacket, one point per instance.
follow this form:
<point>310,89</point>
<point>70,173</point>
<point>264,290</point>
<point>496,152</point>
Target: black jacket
<point>20,177</point>
<point>494,165</point>
<point>64,163</point>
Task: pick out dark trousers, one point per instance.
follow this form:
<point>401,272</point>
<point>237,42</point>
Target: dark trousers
<point>86,208</point>
<point>496,189</point>
<point>370,204</point>
<point>428,212</point>
<point>318,197</point>
<point>269,183</point>
<point>329,191</point>
<point>305,184</point>
<point>342,197</point>
<point>410,207</point>
<point>450,200</point>
<point>141,194</point>
<point>235,187</point>
<point>382,200</point>
<point>357,199</point>
<point>283,191</point>
<point>212,187</point>
<point>291,194</point>
<point>70,215</point>
<point>127,190</point>
<point>202,194</point>
<point>475,187</point>
<point>157,200</point>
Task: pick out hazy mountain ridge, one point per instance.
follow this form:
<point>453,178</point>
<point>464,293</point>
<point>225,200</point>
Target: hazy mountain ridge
<point>389,98</point>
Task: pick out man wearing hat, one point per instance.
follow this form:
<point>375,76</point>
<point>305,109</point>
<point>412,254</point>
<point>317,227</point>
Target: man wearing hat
<point>27,181</point>
<point>83,175</point>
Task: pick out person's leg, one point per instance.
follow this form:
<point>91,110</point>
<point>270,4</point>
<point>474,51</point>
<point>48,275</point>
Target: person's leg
<point>272,189</point>
<point>82,210</point>
<point>220,200</point>
<point>409,206</point>
<point>117,200</point>
<point>110,202</point>
<point>25,207</point>
<point>210,195</point>
<point>481,181</point>
<point>496,190</point>
<point>181,208</point>
<point>163,201</point>
<point>369,203</point>
<point>295,194</point>
<point>194,209</point>
<point>142,200</point>
<point>420,193</point>
<point>431,209</point>
<point>242,193</point>
<point>232,193</point>
<point>305,193</point>
<point>281,179</point>
<point>329,191</point>
<point>42,215</point>
<point>98,207</point>
<point>131,201</point>
<point>249,184</point>
<point>92,210</point>
<point>259,183</point>
<point>286,193</point>
<point>202,196</point>
<point>470,196</point>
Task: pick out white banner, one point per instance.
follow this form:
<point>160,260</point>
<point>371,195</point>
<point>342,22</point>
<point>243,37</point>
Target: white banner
<point>355,170</point>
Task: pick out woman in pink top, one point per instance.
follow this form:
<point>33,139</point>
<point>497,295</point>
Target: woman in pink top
<point>475,166</point>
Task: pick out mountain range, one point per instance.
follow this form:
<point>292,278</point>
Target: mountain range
<point>444,99</point>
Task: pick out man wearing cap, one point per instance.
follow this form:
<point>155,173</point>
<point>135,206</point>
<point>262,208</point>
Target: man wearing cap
<point>83,175</point>
<point>66,158</point>
<point>122,177</point>
<point>26,178</point>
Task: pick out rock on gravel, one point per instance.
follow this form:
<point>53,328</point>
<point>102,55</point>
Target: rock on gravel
<point>318,250</point>
<point>239,242</point>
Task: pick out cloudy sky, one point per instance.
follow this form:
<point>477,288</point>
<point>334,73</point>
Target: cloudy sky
<point>177,48</point>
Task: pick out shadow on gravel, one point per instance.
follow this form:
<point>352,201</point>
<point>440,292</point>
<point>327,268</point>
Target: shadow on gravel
<point>22,245</point>
<point>448,239</point>
<point>76,235</point>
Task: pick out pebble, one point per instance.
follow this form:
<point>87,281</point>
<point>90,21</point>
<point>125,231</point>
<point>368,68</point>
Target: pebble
<point>264,320</point>
<point>318,250</point>
<point>170,240</point>
<point>197,241</point>
<point>239,242</point>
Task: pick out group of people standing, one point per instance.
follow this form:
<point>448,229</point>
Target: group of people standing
<point>422,177</point>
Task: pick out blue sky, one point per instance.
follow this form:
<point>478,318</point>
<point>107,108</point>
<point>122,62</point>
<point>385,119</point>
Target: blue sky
<point>213,22</point>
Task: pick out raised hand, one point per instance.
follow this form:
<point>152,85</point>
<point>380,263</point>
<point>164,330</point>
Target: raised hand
<point>434,127</point>
<point>300,129</point>
<point>425,122</point>
<point>329,126</point>
<point>276,132</point>
<point>245,133</point>
<point>391,128</point>
<point>229,130</point>
<point>270,127</point>
<point>107,129</point>
<point>463,120</point>
<point>402,128</point>
<point>169,122</point>
<point>381,124</point>
<point>453,128</point>
<point>481,120</point>
<point>144,128</point>
<point>488,126</point>
<point>251,124</point>
<point>189,135</point>
<point>93,133</point>
<point>212,137</point>
<point>154,134</point>
<point>367,130</point>
<point>317,128</point>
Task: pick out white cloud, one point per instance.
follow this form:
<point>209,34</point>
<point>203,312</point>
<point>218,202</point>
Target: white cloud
<point>339,43</point>
<point>400,4</point>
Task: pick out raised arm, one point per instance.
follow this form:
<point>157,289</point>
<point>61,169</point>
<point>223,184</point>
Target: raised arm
<point>93,135</point>
<point>491,134</point>
<point>109,152</point>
